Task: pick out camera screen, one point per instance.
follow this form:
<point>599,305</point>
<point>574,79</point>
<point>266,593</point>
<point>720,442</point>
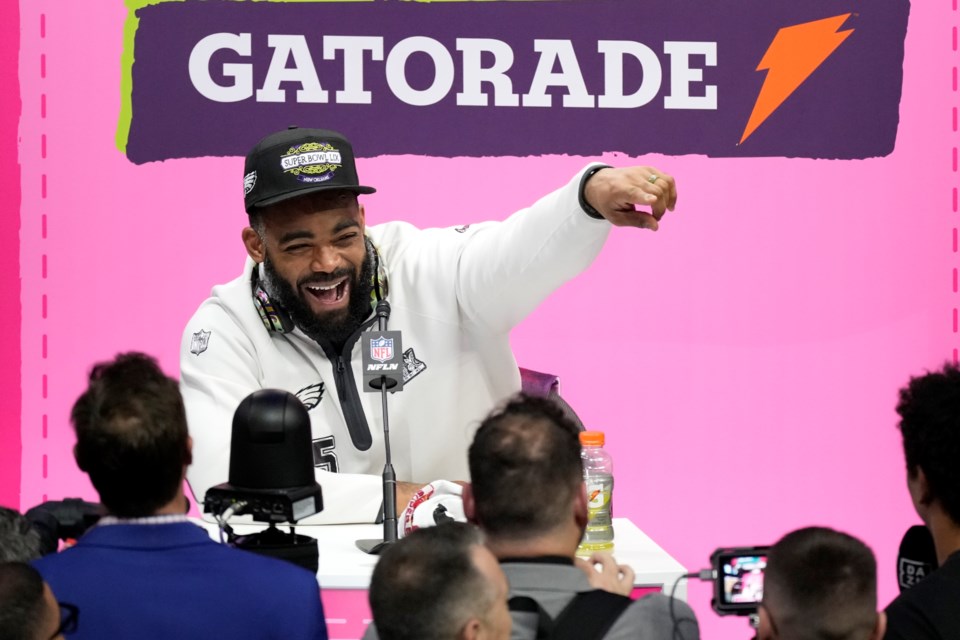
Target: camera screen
<point>742,578</point>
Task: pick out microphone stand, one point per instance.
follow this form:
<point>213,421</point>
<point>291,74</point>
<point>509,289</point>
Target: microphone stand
<point>375,547</point>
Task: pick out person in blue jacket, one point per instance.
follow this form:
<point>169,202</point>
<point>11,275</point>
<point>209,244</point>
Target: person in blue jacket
<point>145,571</point>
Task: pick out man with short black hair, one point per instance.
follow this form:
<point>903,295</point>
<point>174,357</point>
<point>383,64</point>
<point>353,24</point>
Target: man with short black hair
<point>528,497</point>
<point>439,583</point>
<point>316,271</point>
<point>929,410</point>
<point>28,608</point>
<point>820,584</point>
<point>144,571</point>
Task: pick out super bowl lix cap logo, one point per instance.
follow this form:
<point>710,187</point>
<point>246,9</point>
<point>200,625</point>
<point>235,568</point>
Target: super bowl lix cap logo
<point>311,161</point>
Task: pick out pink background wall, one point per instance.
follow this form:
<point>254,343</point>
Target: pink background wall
<point>10,265</point>
<point>744,361</point>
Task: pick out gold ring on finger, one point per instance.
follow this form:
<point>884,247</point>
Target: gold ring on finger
<point>653,178</point>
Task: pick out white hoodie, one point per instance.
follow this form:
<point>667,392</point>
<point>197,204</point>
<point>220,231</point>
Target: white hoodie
<point>455,294</point>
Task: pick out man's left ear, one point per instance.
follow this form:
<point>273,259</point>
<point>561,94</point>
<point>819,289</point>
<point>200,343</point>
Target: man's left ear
<point>881,627</point>
<point>469,506</point>
<point>764,628</point>
<point>76,457</point>
<point>188,454</point>
<point>581,512</point>
<point>471,630</point>
<point>919,489</point>
<point>253,244</point>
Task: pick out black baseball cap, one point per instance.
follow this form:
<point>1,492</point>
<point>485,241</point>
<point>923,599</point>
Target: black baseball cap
<point>295,162</point>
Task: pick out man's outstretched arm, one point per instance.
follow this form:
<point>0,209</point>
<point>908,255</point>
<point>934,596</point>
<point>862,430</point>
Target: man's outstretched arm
<point>506,269</point>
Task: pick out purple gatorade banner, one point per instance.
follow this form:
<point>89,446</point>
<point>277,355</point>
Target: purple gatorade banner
<point>816,79</point>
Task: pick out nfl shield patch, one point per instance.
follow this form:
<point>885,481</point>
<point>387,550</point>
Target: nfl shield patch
<point>381,349</point>
<point>199,342</point>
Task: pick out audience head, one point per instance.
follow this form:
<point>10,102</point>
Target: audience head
<point>820,584</point>
<point>132,435</point>
<point>28,609</point>
<point>19,541</point>
<point>440,583</point>
<point>929,411</point>
<point>525,472</point>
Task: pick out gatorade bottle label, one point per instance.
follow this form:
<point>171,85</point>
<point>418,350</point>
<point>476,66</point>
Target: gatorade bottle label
<point>597,496</point>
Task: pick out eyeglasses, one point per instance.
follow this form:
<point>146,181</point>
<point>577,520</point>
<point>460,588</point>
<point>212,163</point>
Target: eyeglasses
<point>69,613</point>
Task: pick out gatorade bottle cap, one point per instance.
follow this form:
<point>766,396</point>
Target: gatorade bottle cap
<point>592,438</point>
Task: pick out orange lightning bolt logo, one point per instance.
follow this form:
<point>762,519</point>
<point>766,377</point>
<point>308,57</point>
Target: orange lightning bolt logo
<point>795,53</point>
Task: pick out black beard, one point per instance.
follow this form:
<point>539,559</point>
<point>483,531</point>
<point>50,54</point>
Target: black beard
<point>335,327</point>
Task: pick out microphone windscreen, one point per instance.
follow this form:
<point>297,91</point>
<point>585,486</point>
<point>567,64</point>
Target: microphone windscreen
<point>917,557</point>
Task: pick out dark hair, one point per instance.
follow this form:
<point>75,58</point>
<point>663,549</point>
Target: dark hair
<point>929,411</point>
<point>525,468</point>
<point>19,541</point>
<point>21,601</point>
<point>427,587</point>
<point>132,435</point>
<point>820,583</point>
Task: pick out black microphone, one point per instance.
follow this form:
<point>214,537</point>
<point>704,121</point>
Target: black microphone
<point>383,371</point>
<point>917,557</point>
<point>382,355</point>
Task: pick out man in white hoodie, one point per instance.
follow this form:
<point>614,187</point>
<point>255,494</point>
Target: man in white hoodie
<point>293,318</point>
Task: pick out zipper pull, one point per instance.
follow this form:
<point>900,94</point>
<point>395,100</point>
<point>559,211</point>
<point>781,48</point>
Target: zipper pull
<point>341,384</point>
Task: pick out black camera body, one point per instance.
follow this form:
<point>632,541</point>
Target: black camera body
<point>738,579</point>
<point>63,520</point>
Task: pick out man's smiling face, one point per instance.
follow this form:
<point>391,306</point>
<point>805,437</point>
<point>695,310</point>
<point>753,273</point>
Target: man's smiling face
<point>314,254</point>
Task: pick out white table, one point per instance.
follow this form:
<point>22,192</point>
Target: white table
<point>344,571</point>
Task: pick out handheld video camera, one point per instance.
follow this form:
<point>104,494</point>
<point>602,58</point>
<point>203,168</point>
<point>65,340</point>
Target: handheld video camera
<point>738,579</point>
<point>58,520</point>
